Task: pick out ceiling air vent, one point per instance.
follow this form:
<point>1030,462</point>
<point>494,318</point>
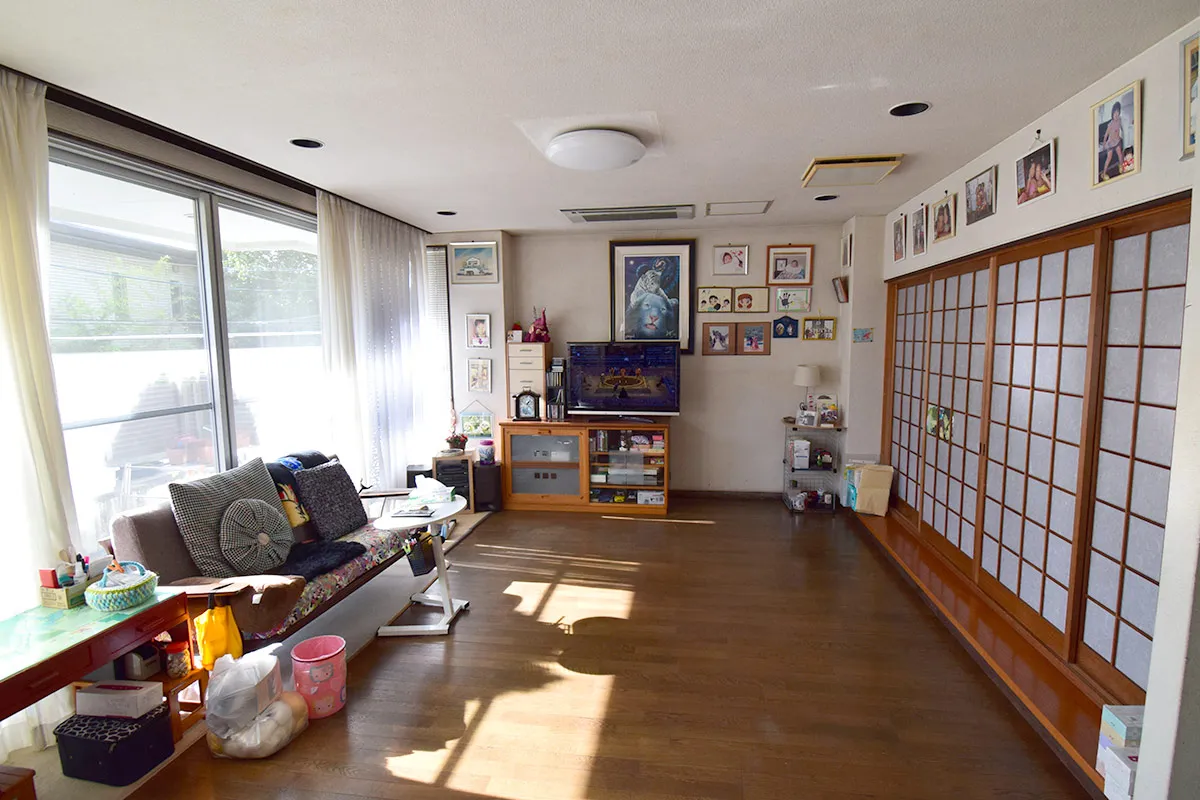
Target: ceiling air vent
<point>630,213</point>
<point>850,170</point>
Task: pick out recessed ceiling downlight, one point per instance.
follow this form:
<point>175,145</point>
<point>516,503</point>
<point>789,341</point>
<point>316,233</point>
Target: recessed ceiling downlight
<point>910,109</point>
<point>308,144</point>
<point>595,149</point>
<point>447,213</point>
<point>825,198</point>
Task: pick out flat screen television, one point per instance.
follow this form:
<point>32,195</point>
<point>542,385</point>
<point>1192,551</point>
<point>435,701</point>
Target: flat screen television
<point>628,379</point>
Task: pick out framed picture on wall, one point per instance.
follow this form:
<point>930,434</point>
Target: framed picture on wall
<point>847,258</point>
<point>820,329</point>
<point>943,218</point>
<point>1036,173</point>
<point>841,288</point>
<point>479,330</point>
<point>474,262</point>
<point>918,230</point>
<point>793,300</point>
<point>899,231</point>
<point>651,285</point>
<point>1190,68</point>
<point>790,264</point>
<point>718,339</point>
<point>981,196</point>
<point>1117,125</point>
<point>786,328</point>
<point>476,424</point>
<point>754,339</point>
<point>731,259</point>
<point>479,375</point>
<point>751,299</point>
<point>714,299</point>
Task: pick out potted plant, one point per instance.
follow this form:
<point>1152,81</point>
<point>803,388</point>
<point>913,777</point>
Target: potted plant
<point>457,441</point>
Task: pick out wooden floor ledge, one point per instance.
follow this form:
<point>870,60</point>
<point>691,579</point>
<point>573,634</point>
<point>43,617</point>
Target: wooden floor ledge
<point>1065,716</point>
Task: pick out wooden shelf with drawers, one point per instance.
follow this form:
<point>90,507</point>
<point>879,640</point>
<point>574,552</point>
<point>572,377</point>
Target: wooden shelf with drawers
<point>526,367</point>
<point>600,467</point>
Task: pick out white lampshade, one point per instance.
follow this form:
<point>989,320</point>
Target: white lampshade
<point>595,149</point>
<point>807,376</point>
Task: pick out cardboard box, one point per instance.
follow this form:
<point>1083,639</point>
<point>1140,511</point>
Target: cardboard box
<point>871,489</point>
<point>130,699</point>
<point>1123,724</point>
<point>1120,770</point>
<point>1101,759</point>
<point>651,498</point>
<point>798,453</point>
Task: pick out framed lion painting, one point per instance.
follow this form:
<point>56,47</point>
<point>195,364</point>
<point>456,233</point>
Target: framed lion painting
<point>652,291</point>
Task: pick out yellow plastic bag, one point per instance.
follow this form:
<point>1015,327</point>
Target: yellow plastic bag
<point>217,634</point>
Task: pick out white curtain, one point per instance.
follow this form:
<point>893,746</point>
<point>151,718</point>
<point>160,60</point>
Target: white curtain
<point>384,356</point>
<point>39,514</point>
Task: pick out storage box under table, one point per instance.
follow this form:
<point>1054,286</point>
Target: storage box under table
<point>112,750</point>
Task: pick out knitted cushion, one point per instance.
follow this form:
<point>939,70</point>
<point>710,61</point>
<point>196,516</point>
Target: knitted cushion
<point>255,538</point>
<point>331,499</point>
<point>199,506</point>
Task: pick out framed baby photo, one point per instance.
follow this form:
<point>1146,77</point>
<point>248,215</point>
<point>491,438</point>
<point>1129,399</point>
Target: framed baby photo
<point>718,339</point>
<point>918,230</point>
<point>943,218</point>
<point>479,330</point>
<point>899,235</point>
<point>731,259</point>
<point>981,196</point>
<point>799,300</point>
<point>1117,126</point>
<point>754,339</point>
<point>714,299</point>
<point>1036,173</point>
<point>752,299</point>
<point>473,262</point>
<point>820,329</point>
<point>790,264</point>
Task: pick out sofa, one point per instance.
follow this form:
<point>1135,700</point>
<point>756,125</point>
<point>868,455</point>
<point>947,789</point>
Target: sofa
<point>269,606</point>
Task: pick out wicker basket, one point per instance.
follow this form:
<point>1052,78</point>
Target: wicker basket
<point>118,598</point>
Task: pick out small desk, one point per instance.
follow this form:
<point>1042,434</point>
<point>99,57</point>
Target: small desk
<point>44,649</point>
<point>450,606</point>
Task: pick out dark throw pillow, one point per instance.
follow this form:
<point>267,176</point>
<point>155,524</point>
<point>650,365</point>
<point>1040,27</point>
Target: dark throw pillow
<point>331,499</point>
<point>255,538</point>
<point>199,506</point>
<point>285,484</point>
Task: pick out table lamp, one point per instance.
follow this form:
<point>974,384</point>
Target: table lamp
<point>806,376</point>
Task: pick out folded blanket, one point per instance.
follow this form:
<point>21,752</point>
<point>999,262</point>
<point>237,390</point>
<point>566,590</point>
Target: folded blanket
<point>310,559</point>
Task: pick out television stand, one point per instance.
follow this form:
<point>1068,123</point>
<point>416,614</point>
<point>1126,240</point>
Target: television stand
<point>607,466</point>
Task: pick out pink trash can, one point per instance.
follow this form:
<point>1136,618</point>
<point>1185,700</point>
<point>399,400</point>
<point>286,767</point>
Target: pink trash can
<point>319,672</point>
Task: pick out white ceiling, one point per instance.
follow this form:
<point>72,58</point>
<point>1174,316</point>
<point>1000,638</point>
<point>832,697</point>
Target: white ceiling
<point>434,104</point>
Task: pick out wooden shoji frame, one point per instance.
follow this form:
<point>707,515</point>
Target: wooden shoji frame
<point>1085,668</point>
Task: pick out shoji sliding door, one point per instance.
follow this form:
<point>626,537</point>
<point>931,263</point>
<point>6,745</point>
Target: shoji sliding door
<point>1059,359</point>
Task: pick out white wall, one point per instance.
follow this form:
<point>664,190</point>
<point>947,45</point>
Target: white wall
<point>728,436</point>
<point>1075,200</point>
<point>863,382</point>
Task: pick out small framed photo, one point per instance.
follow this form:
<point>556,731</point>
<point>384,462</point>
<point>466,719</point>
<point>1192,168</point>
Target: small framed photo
<point>863,335</point>
<point>790,265</point>
<point>1190,69</point>
<point>714,299</point>
<point>476,424</point>
<point>718,339</point>
<point>754,339</point>
<point>474,262</point>
<point>981,195</point>
<point>752,299</point>
<point>798,300</point>
<point>841,288</point>
<point>1035,173</point>
<point>943,218</point>
<point>731,259</point>
<point>808,419</point>
<point>785,328</point>
<point>918,230</point>
<point>1117,125</point>
<point>899,236</point>
<point>847,258</point>
<point>479,375</point>
<point>479,330</point>
<point>516,336</point>
<point>820,329</point>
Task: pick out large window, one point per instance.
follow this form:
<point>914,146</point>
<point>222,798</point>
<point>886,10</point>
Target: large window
<point>170,363</point>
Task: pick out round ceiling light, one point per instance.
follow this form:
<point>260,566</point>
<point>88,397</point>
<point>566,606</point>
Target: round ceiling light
<point>308,144</point>
<point>908,109</point>
<point>595,149</point>
<point>825,198</point>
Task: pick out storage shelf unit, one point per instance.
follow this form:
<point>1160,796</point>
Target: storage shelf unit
<point>602,467</point>
<point>796,482</point>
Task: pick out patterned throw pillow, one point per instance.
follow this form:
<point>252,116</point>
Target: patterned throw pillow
<point>200,505</point>
<point>255,538</point>
<point>331,499</point>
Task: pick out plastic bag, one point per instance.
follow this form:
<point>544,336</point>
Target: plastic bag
<point>218,634</point>
<point>268,733</point>
<point>234,692</point>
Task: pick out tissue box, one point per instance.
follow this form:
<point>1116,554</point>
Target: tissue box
<point>1120,771</point>
<point>69,596</point>
<point>798,453</point>
<point>130,699</point>
<point>1123,724</point>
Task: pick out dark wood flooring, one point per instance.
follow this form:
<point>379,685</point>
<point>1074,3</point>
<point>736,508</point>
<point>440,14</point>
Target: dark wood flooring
<point>764,655</point>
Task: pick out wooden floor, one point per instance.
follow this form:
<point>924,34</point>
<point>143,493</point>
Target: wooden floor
<point>760,656</point>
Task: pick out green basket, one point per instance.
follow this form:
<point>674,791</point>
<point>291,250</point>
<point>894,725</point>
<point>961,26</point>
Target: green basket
<point>119,598</point>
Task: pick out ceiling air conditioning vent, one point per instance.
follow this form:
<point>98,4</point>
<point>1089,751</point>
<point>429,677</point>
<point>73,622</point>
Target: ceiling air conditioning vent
<point>849,171</point>
<point>630,213</point>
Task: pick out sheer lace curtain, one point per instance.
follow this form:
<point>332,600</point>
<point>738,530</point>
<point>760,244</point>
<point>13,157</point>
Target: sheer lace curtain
<point>39,515</point>
<point>387,376</point>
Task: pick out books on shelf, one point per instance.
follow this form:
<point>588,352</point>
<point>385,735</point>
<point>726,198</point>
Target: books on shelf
<point>556,391</point>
